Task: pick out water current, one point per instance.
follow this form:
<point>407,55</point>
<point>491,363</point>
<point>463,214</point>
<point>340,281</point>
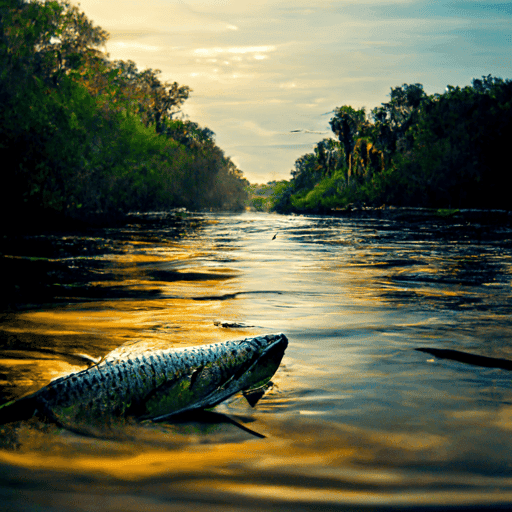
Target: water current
<point>356,419</point>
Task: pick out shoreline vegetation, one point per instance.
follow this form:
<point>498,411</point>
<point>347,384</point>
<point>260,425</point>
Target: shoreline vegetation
<point>440,152</point>
<point>84,139</point>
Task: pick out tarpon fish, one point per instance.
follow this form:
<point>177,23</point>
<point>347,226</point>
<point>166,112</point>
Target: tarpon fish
<point>154,384</point>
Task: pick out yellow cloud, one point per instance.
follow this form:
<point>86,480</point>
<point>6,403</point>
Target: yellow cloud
<point>236,50</point>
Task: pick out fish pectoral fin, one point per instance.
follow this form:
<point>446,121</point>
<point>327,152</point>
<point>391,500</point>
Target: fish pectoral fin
<point>186,392</point>
<point>253,396</point>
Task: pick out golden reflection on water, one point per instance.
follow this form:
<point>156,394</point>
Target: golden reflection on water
<point>165,323</point>
<point>98,327</point>
<point>355,415</point>
<point>339,469</point>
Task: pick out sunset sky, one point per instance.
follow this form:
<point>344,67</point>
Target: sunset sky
<point>262,68</point>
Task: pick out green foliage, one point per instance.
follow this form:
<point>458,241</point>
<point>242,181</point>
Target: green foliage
<point>81,135</point>
<point>439,151</point>
<point>274,195</point>
<point>259,196</point>
<point>280,198</point>
<point>456,154</point>
<point>347,124</point>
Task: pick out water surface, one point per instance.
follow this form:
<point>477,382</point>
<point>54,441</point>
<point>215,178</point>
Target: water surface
<point>356,416</point>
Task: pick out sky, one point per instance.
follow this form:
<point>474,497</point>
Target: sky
<point>262,69</point>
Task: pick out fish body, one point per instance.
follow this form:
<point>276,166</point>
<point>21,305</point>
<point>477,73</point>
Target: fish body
<point>153,384</point>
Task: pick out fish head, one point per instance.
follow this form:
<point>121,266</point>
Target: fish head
<point>234,366</point>
<point>259,359</point>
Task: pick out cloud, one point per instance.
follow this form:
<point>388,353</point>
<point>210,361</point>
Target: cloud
<point>262,68</point>
<point>260,147</point>
<point>216,75</point>
<point>156,16</point>
<point>207,52</point>
<point>257,129</point>
<point>121,45</point>
<point>217,102</point>
<point>225,64</point>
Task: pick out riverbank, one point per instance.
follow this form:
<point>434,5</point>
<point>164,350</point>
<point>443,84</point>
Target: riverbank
<point>415,214</point>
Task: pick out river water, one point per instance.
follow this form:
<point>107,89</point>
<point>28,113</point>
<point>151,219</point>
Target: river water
<point>356,419</point>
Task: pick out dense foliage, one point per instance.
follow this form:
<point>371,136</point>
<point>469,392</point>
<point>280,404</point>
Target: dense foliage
<point>82,135</point>
<point>442,151</point>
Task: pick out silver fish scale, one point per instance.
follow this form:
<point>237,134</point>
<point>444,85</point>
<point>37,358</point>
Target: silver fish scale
<point>113,385</point>
<point>98,390</point>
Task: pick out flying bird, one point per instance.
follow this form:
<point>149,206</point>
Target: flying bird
<point>308,131</point>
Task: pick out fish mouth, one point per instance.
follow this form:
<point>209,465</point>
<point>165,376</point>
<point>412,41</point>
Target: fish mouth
<point>269,342</point>
<point>261,368</point>
<point>256,373</point>
<point>274,350</point>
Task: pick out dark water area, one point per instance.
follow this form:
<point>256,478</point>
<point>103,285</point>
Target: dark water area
<point>357,417</point>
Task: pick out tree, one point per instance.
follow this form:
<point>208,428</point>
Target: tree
<point>454,156</point>
<point>73,42</point>
<point>393,119</point>
<point>330,156</point>
<point>83,136</point>
<point>443,150</point>
<point>347,124</point>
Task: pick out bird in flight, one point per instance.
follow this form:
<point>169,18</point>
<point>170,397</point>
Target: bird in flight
<point>307,131</point>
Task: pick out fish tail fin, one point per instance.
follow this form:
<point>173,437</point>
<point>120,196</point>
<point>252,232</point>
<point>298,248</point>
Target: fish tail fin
<point>17,410</point>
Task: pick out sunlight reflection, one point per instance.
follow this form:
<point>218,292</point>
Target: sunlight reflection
<point>355,413</point>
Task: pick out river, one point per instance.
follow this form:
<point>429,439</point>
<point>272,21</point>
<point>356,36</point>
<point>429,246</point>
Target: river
<point>356,419</point>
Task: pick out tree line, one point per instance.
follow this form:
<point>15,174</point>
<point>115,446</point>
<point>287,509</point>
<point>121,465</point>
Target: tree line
<point>82,135</point>
<point>440,151</point>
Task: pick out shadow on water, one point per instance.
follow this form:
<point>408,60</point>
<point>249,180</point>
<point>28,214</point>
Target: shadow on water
<point>374,407</point>
<point>71,267</point>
